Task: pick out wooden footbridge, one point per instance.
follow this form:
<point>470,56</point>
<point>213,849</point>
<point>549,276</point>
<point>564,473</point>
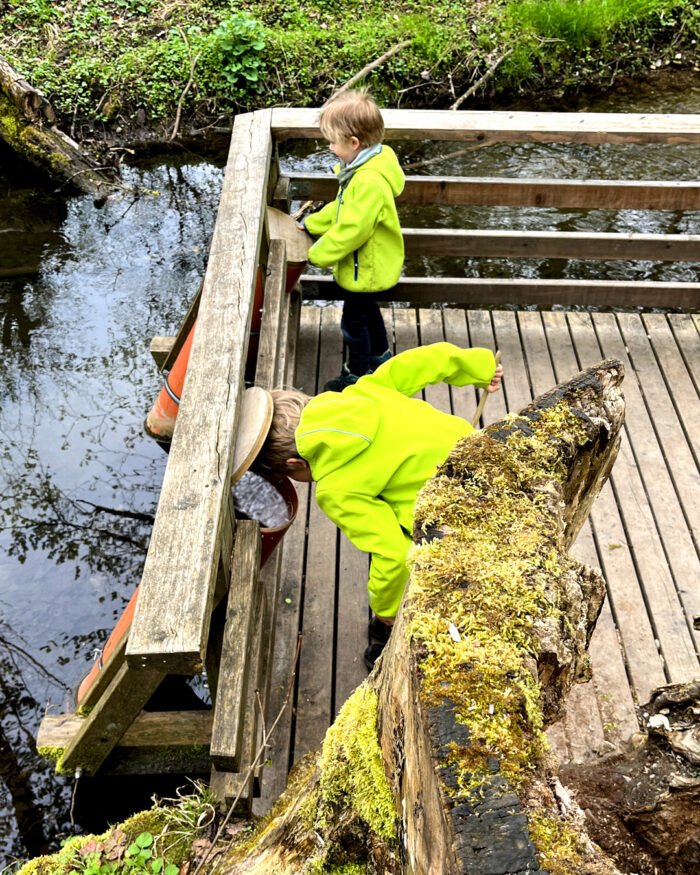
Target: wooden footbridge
<point>203,603</point>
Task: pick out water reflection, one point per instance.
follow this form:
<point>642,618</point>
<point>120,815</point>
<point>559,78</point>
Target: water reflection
<point>79,481</point>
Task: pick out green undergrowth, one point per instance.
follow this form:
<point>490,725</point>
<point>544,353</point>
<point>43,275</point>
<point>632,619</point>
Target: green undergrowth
<point>117,64</point>
<point>477,592</point>
<point>153,842</point>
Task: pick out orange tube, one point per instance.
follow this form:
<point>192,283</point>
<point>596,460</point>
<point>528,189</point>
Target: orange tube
<point>160,422</point>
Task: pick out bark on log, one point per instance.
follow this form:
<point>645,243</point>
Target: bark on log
<point>27,125</point>
<point>438,762</point>
<point>643,806</point>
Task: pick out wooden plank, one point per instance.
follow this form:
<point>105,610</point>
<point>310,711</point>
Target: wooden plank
<point>619,194</point>
<point>551,244</point>
<point>171,624</point>
<point>149,729</point>
<point>617,542</point>
<point>238,644</point>
<point>528,127</point>
<point>580,739</point>
<point>353,616</point>
<point>677,379</point>
<point>274,777</point>
<point>269,344</point>
<point>431,331</point>
<point>288,355</point>
<point>105,725</point>
<point>160,348</point>
<point>516,384</point>
<point>687,337</point>
<point>463,397</point>
<point>481,333</point>
<point>315,676</point>
<point>472,291</point>
<point>664,461</point>
<point>612,692</point>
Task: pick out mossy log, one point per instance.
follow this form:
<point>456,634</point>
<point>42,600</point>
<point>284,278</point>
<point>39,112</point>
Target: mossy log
<point>28,126</point>
<point>438,762</point>
<point>643,806</point>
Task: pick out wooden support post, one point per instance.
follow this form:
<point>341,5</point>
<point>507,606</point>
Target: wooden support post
<point>238,645</point>
<point>171,624</point>
<point>110,718</point>
<point>269,347</point>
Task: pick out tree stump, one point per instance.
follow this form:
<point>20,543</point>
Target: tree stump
<point>28,126</point>
<point>438,762</point>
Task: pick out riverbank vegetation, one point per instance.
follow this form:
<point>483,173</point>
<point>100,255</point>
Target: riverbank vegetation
<point>117,69</point>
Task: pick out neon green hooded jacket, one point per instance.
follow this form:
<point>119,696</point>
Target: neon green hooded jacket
<point>372,447</point>
<point>359,231</point>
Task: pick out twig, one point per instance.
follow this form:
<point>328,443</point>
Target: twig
<point>256,760</point>
<point>367,69</point>
<point>487,75</point>
<point>193,64</point>
<point>438,158</point>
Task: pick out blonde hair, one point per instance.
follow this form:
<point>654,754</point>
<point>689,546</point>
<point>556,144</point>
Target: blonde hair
<point>280,444</point>
<point>352,114</point>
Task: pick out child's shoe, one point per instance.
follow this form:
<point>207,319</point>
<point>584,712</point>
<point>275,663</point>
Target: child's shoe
<point>379,631</point>
<point>376,360</point>
<point>372,654</point>
<point>346,378</point>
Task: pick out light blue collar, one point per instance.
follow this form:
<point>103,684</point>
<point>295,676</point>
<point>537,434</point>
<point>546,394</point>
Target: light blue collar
<point>347,171</point>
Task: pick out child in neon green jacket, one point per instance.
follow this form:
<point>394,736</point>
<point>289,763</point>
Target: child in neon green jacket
<point>359,232</point>
<point>372,447</point>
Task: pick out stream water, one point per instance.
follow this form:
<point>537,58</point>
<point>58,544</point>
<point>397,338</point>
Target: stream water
<point>79,481</point>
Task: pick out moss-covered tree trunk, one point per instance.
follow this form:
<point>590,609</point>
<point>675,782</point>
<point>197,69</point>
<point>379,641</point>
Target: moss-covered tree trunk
<point>438,762</point>
<point>27,125</point>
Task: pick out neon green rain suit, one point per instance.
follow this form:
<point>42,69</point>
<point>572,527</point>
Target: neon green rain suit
<point>359,231</point>
<point>372,447</point>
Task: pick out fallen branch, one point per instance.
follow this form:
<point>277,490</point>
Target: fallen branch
<point>368,69</point>
<point>193,64</point>
<point>27,125</point>
<point>479,82</point>
<point>449,155</point>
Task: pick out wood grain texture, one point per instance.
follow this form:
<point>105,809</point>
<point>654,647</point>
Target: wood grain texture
<point>238,643</point>
<point>523,192</point>
<point>270,326</point>
<point>172,618</point>
<point>468,291</point>
<point>532,127</point>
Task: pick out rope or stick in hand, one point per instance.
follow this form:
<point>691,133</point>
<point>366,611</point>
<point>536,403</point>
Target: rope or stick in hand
<point>484,396</point>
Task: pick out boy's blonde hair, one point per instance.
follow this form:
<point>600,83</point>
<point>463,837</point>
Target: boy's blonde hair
<point>352,114</point>
<point>280,444</point>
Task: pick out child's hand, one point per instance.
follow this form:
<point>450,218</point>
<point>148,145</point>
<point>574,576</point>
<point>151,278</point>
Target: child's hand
<point>495,383</point>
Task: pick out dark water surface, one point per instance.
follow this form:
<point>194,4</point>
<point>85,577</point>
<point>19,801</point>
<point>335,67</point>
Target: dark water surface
<point>79,482</point>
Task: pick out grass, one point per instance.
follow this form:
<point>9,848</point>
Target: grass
<point>111,62</point>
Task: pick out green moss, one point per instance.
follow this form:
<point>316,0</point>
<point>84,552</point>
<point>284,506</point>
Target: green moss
<point>503,553</point>
<point>559,847</point>
<point>352,764</point>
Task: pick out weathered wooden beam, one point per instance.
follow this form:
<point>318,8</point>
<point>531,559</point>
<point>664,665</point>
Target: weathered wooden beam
<point>270,329</point>
<point>155,743</point>
<point>104,726</point>
<point>484,191</point>
<point>551,244</point>
<point>171,623</point>
<point>238,645</point>
<point>527,127</point>
<point>183,330</point>
<point>160,348</point>
<point>467,291</point>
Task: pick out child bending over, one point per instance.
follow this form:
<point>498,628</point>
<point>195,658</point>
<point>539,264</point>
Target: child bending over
<point>370,449</point>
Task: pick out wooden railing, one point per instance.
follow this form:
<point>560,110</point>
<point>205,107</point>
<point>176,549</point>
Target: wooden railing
<point>189,567</point>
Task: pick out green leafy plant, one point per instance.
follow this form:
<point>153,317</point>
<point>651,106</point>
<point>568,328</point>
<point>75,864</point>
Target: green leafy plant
<point>235,48</point>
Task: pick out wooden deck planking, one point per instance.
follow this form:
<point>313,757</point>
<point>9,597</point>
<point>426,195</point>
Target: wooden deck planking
<point>623,537</point>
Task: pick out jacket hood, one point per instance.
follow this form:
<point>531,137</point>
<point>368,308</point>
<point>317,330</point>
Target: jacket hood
<point>387,164</point>
<point>333,429</point>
